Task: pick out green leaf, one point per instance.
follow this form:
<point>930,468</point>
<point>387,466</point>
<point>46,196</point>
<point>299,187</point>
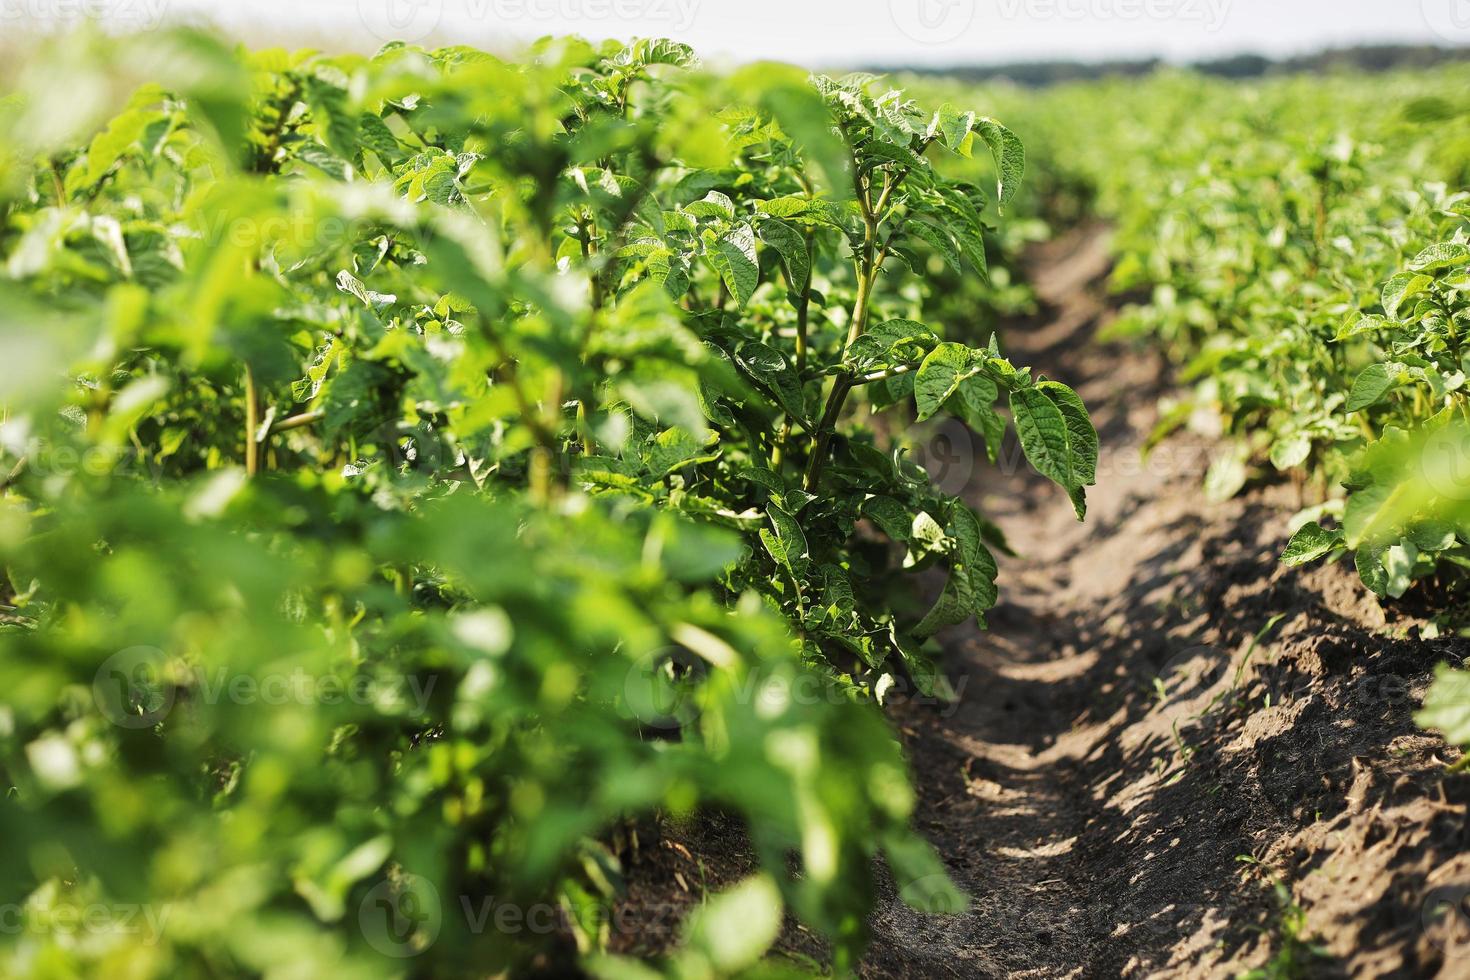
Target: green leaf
<point>713,205</point>
<point>323,159</point>
<point>675,448</point>
<point>1045,438</point>
<point>937,238</point>
<point>1371,571</point>
<point>733,256</point>
<point>1369,516</point>
<point>1310,542</point>
<point>375,135</point>
<point>785,541</point>
<point>769,368</point>
<point>922,882</point>
<point>1375,381</point>
<point>733,930</point>
<point>1398,565</point>
<point>792,245</point>
<point>978,395</point>
<point>950,609</point>
<point>838,601</point>
<point>1402,287</point>
<point>1359,325</point>
<point>974,560</point>
<point>121,135</point>
<point>890,516</point>
<point>605,966</point>
<point>1447,705</point>
<point>805,117</point>
<point>952,126</point>
<point>939,376</point>
<point>1291,451</point>
<point>1227,474</point>
<point>784,207</point>
<point>1010,158</point>
<point>1444,255</point>
<point>1082,439</point>
<point>329,110</point>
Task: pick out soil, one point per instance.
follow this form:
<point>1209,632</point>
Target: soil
<point>1170,755</point>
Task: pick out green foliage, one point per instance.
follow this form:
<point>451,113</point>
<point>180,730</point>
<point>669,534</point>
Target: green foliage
<point>420,464</point>
<point>1305,260</point>
<point>1313,288</point>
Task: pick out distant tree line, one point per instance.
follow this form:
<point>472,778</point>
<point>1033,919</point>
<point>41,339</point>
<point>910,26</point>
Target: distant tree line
<point>1369,58</point>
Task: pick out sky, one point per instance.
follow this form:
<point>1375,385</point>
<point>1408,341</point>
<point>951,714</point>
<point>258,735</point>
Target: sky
<point>830,32</point>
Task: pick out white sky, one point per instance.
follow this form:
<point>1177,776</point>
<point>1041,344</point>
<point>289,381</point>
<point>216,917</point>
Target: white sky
<point>833,32</point>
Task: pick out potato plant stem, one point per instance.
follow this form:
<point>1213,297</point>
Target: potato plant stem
<point>298,421</point>
<point>803,312</point>
<point>544,451</point>
<point>252,422</point>
<point>868,263</point>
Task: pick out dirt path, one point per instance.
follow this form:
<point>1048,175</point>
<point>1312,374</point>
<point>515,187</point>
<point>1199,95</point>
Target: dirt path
<point>1107,824</point>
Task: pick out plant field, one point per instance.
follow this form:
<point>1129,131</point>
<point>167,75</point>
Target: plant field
<point>589,514</point>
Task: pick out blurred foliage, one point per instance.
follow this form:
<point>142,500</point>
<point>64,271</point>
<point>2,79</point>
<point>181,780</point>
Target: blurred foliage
<point>1301,253</point>
<point>1300,247</point>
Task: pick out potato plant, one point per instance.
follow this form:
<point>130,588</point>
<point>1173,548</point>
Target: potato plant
<point>417,467</point>
<point>1302,265</point>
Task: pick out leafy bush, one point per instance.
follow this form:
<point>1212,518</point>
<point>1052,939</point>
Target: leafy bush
<point>1311,278</point>
<point>1309,282</point>
<point>455,462</point>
